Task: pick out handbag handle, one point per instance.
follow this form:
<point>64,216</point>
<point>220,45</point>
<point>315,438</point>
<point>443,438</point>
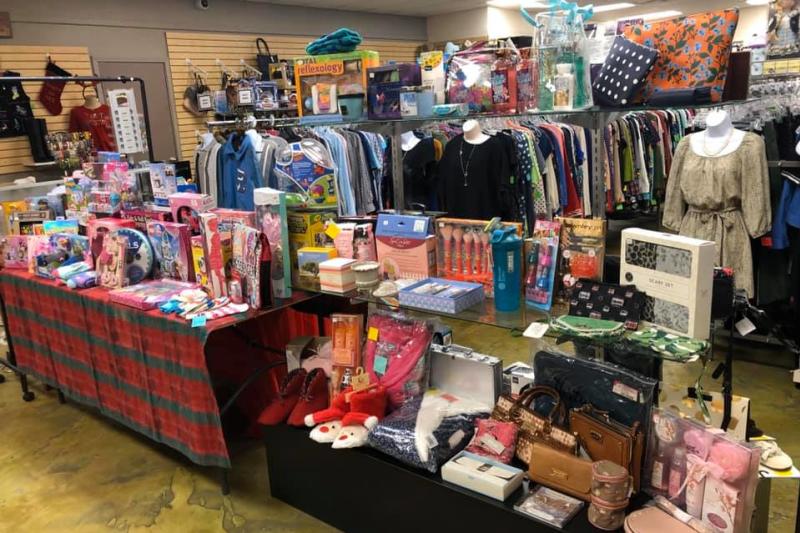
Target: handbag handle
<point>260,42</point>
<point>542,390</point>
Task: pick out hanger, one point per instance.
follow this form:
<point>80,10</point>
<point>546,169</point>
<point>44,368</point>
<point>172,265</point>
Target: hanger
<point>195,69</point>
<point>790,177</point>
<point>249,68</point>
<point>224,69</point>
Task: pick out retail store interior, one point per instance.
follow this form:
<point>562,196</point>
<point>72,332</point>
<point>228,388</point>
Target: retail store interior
<point>326,265</point>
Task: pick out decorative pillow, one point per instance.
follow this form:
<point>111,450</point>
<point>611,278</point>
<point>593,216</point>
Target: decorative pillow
<point>693,51</point>
<point>623,72</point>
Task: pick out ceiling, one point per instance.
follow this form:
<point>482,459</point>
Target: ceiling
<point>416,8</point>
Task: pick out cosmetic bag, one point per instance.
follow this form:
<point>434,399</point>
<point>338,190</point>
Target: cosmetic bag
<point>624,71</point>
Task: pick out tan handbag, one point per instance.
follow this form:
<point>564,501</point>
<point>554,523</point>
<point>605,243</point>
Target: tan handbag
<point>532,426</point>
<point>604,438</point>
<point>654,520</point>
<point>561,471</point>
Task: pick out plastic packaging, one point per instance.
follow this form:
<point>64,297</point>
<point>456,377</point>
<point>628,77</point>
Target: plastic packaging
<point>606,515</point>
<point>610,481</point>
<point>504,83</point>
<point>541,262</point>
<point>84,280</point>
<point>527,80</point>
<point>469,78</point>
<point>494,439</point>
<point>427,430</point>
<point>507,269</point>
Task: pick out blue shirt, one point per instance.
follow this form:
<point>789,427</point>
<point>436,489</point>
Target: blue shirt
<point>240,175</point>
<point>787,214</point>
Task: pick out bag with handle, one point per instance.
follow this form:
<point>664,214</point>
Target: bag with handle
<point>264,57</point>
<point>561,471</point>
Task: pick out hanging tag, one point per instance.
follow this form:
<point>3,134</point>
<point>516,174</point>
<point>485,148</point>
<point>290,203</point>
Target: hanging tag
<point>205,101</point>
<point>745,327</point>
<point>380,364</point>
<point>372,334</point>
<point>245,96</point>
<point>360,380</point>
<point>332,230</point>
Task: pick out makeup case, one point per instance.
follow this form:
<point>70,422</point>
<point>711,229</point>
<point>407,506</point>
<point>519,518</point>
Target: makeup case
<point>466,373</point>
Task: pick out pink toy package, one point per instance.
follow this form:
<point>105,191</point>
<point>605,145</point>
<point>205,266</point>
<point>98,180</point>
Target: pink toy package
<point>111,262</point>
<point>228,219</point>
<point>247,263</point>
<point>99,227</point>
<point>173,248</point>
<point>15,251</point>
<point>149,294</point>
<point>142,216</point>
<point>212,248</point>
<point>186,206</point>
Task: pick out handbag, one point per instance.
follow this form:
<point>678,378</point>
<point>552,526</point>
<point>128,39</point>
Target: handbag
<point>604,439</point>
<point>264,58</point>
<point>623,72</point>
<point>534,427</point>
<point>561,471</point>
<point>654,520</point>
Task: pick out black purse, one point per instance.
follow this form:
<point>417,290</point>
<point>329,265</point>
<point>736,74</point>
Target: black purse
<point>264,58</point>
<point>607,301</point>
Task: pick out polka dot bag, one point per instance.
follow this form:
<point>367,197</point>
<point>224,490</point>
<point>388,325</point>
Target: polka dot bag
<point>623,72</point>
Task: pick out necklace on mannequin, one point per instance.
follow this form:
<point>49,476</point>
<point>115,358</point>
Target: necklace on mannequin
<point>722,147</point>
<point>465,168</point>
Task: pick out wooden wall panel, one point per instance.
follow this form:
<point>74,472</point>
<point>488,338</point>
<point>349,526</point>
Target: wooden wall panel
<point>30,61</point>
<point>205,48</point>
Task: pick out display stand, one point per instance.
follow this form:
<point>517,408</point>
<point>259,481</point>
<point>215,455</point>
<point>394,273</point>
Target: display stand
<point>362,490</point>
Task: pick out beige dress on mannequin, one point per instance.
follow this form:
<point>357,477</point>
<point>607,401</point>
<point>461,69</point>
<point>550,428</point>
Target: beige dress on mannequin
<point>723,199</point>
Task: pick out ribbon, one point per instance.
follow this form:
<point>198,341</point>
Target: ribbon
<point>571,8</point>
<point>697,473</point>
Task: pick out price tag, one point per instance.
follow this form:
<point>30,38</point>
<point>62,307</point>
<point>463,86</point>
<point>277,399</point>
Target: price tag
<point>199,321</point>
<point>360,380</point>
<point>380,364</point>
<point>372,334</point>
<point>536,330</point>
<point>332,230</point>
<point>745,327</point>
<point>245,96</point>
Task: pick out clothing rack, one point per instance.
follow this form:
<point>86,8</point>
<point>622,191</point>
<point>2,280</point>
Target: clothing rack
<point>96,79</point>
<point>783,164</point>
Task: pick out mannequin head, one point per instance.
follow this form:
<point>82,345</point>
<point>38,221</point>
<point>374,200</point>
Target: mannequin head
<point>717,118</point>
<point>473,133</point>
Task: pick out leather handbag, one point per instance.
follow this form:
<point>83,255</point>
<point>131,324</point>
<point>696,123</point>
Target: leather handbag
<point>561,471</point>
<point>264,58</point>
<point>534,427</point>
<point>604,439</point>
<point>654,520</point>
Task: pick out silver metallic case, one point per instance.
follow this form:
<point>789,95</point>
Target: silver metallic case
<point>461,371</point>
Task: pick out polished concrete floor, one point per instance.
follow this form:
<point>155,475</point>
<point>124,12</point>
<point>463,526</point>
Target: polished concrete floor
<point>66,469</point>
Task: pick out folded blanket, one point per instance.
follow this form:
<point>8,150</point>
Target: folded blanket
<point>341,40</point>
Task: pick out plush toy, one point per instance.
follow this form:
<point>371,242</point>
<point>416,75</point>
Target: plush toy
<point>351,415</point>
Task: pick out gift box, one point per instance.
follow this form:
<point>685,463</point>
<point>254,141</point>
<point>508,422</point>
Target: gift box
<point>336,275</point>
<point>228,219</point>
<point>483,475</point>
<point>405,246</point>
<point>99,227</point>
<point>323,78</point>
<point>442,295</point>
<point>15,251</point>
<point>212,251</point>
<point>172,246</point>
<point>271,212</point>
<point>186,206</point>
<point>307,229</point>
<point>308,261</point>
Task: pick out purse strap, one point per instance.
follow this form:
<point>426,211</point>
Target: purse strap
<point>558,412</point>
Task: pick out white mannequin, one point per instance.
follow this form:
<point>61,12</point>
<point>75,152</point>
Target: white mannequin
<point>408,140</point>
<point>206,139</point>
<point>254,136</point>
<point>719,139</point>
<point>473,133</point>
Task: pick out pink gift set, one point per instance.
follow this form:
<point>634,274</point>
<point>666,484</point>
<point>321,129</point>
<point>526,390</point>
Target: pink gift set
<point>186,206</point>
<point>703,471</point>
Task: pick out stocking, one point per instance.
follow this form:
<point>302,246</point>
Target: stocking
<point>50,95</point>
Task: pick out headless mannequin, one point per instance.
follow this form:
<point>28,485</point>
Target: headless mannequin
<point>206,139</point>
<point>719,139</point>
<point>255,138</point>
<point>473,133</point>
<point>408,140</point>
<point>91,101</point>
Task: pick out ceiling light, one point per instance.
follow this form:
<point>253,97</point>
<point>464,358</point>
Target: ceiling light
<point>757,2</point>
<point>514,4</point>
<point>621,5</point>
<point>656,15</point>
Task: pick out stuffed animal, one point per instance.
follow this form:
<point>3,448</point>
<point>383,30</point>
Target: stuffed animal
<point>351,415</point>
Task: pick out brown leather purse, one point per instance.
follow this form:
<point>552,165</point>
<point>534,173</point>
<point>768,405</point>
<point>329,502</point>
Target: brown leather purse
<point>604,438</point>
<point>532,426</point>
<point>561,471</point>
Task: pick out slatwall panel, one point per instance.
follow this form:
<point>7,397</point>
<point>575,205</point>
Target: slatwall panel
<point>205,48</point>
<point>30,61</point>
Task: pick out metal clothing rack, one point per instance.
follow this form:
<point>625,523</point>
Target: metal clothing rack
<point>96,79</point>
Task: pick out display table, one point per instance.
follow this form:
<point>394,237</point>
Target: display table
<point>145,370</point>
<point>365,490</point>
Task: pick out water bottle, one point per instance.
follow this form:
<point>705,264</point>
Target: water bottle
<point>507,269</point>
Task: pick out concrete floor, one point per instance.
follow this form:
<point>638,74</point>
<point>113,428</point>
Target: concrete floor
<point>66,469</point>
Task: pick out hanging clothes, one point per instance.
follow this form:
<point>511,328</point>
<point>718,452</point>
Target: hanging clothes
<point>241,175</point>
<point>206,165</point>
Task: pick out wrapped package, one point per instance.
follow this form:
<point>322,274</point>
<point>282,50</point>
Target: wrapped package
<point>428,430</point>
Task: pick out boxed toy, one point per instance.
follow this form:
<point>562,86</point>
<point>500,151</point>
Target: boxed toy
<point>322,79</point>
<point>675,273</point>
<point>308,261</point>
<point>163,182</point>
<point>99,227</point>
<point>383,88</point>
<point>8,209</point>
<point>307,228</point>
<point>142,216</point>
<point>271,212</point>
<point>185,207</point>
<point>149,294</point>
<point>70,225</point>
<point>212,250</point>
<point>29,222</point>
<point>199,262</point>
<point>463,250</point>
<point>15,251</point>
<point>111,262</point>
<point>405,246</point>
<point>172,246</point>
<point>582,246</point>
<point>306,169</point>
<point>228,219</point>
<point>246,264</point>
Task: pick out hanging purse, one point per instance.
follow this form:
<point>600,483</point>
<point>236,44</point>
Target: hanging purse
<point>534,427</point>
<point>264,58</point>
<point>604,439</point>
<point>561,471</point>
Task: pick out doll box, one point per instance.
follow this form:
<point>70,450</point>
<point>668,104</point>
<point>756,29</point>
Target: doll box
<point>141,216</point>
<point>185,206</point>
<point>405,246</point>
<point>15,251</point>
<point>99,227</point>
<point>482,475</point>
<point>321,79</point>
<point>336,275</point>
<point>172,245</point>
<point>271,220</point>
<point>212,250</point>
<point>454,298</point>
<point>676,274</point>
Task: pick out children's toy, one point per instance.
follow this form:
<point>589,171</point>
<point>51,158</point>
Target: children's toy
<point>84,280</point>
<point>246,264</point>
<point>141,216</point>
<point>582,245</point>
<point>228,219</point>
<point>186,207</point>
<point>541,262</point>
<point>60,226</point>
<point>306,229</point>
<point>8,209</point>
<point>29,222</point>
<point>212,250</point>
<point>149,294</point>
<point>469,79</point>
<point>321,78</point>
<point>266,95</point>
<point>172,247</point>
<point>271,212</point>
<point>98,228</point>
<point>139,259</point>
<point>54,251</point>
<point>163,182</point>
<point>199,262</point>
<point>15,251</point>
<point>104,197</point>
<point>307,168</point>
<point>78,186</point>
<point>111,263</point>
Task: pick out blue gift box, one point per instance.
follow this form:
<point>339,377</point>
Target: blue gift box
<point>442,302</point>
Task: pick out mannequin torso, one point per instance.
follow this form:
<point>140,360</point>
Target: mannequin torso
<point>255,139</point>
<point>408,140</point>
<point>719,139</point>
<point>473,133</point>
<point>91,102</point>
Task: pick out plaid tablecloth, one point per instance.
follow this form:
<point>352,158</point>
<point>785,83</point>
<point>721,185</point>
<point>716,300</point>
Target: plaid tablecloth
<point>145,370</point>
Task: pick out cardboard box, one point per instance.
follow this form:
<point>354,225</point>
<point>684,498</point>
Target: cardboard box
<point>271,220</point>
<point>185,206</point>
<point>307,229</point>
<point>308,261</point>
<point>676,273</point>
<point>212,250</point>
<point>458,296</point>
<point>482,475</point>
<point>516,376</point>
<point>336,275</point>
<point>406,248</point>
<point>322,79</point>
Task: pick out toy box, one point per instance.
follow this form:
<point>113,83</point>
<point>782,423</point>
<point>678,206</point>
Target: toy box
<point>442,295</point>
<point>463,251</point>
<point>9,208</point>
<point>676,274</point>
<point>50,227</point>
<point>271,212</point>
<point>432,65</point>
<point>228,219</point>
<point>246,263</point>
<point>351,240</point>
<point>307,228</point>
<point>405,246</point>
<point>172,246</point>
<point>322,79</point>
<point>149,294</point>
<point>336,275</point>
<point>185,206</point>
<point>15,251</point>
<point>139,259</point>
<point>212,250</point>
<point>163,182</point>
<point>111,262</point>
<point>142,216</point>
<point>199,261</point>
<point>308,261</point>
<point>582,246</point>
<point>99,227</point>
<point>306,168</point>
<point>383,88</point>
<point>29,222</point>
